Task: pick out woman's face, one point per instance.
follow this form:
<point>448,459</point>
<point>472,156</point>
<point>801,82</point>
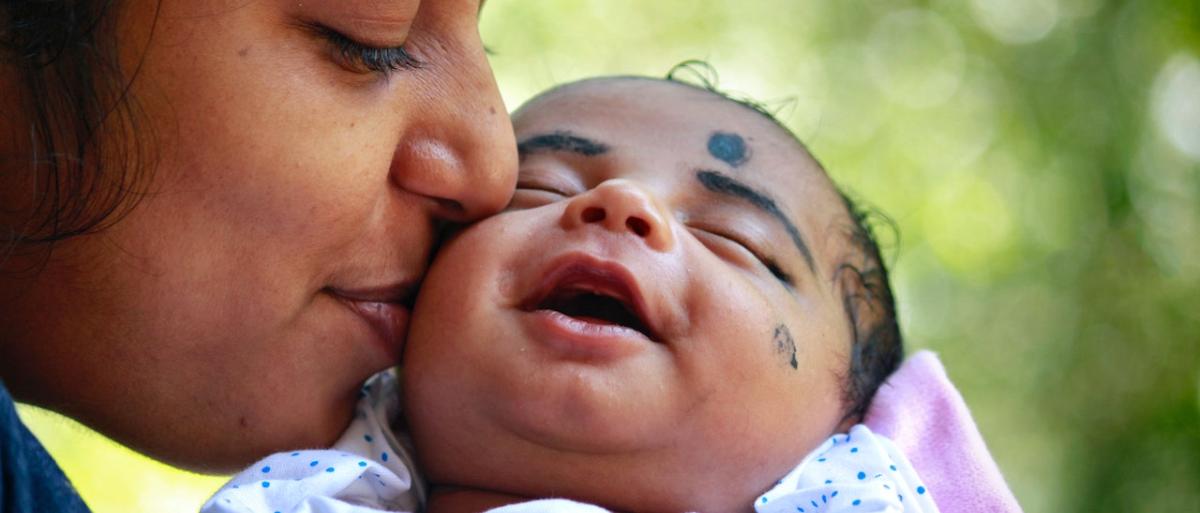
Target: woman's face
<point>299,186</point>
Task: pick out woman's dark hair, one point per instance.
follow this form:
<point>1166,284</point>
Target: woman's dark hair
<point>62,58</point>
<point>876,347</point>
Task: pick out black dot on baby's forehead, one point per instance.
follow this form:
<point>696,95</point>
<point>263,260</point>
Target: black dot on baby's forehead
<point>728,147</point>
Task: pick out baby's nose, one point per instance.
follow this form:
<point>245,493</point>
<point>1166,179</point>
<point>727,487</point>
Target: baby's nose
<point>622,206</point>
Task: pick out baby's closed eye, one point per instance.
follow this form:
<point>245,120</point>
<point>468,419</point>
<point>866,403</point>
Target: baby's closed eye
<point>727,244</point>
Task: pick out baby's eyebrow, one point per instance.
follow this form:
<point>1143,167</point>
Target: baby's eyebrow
<point>724,184</point>
<point>560,140</point>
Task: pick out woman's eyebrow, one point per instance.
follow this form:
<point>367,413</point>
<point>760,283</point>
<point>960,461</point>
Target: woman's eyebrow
<point>560,140</point>
<point>725,184</point>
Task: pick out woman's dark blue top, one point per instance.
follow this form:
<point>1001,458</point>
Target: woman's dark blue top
<point>30,481</point>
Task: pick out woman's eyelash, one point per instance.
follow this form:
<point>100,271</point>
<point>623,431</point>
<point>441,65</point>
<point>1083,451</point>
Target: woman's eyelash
<point>383,60</point>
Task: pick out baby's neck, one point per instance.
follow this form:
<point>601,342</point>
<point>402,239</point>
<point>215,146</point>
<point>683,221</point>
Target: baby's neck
<point>453,499</point>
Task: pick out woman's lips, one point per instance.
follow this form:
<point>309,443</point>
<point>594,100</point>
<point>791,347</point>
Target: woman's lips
<point>385,310</point>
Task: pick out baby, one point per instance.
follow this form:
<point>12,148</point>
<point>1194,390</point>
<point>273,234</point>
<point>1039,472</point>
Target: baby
<point>675,313</point>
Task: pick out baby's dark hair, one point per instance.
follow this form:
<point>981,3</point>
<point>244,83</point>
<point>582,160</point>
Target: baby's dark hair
<point>876,348</point>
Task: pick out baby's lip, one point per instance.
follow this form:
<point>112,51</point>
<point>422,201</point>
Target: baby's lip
<point>576,273</point>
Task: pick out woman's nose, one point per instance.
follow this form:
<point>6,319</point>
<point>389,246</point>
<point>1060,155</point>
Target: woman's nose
<point>622,206</point>
<point>458,147</point>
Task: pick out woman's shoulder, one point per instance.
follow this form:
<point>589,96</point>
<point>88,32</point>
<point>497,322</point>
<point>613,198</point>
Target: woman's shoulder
<point>30,480</point>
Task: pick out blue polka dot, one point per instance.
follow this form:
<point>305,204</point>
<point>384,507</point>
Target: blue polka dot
<point>862,475</point>
<point>362,463</point>
<point>297,453</point>
<point>828,481</point>
<point>856,502</point>
<point>798,508</point>
<point>330,469</point>
<point>266,484</point>
<point>834,494</point>
<point>821,460</point>
<point>854,449</point>
<point>312,463</point>
<point>383,456</point>
<point>893,467</point>
<point>368,438</point>
<point>921,490</point>
<point>266,469</point>
<point>764,500</point>
<point>814,503</point>
<point>901,497</point>
<point>824,499</point>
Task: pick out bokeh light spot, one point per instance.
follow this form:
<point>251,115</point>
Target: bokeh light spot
<point>1016,21</point>
<point>968,225</point>
<point>916,58</point>
<point>1176,103</point>
<point>1165,191</point>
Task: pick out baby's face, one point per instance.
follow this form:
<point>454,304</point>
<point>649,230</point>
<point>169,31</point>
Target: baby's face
<point>655,319</point>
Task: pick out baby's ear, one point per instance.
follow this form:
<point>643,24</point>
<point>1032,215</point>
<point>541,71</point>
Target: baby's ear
<point>857,282</point>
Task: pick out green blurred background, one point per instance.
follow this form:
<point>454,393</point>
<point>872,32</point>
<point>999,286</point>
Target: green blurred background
<point>1041,159</point>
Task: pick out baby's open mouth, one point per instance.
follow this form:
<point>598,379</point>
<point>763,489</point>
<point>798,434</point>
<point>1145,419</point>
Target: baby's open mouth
<point>594,307</point>
<point>594,294</point>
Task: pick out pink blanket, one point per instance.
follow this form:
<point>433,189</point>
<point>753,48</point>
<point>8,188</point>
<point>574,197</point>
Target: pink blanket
<point>922,412</point>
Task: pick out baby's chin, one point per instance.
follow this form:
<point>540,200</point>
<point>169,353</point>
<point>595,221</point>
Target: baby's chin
<point>631,484</point>
<point>679,474</point>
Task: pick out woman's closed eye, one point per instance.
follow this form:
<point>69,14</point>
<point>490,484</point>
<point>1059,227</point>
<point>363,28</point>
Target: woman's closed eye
<point>710,236</point>
<point>363,58</point>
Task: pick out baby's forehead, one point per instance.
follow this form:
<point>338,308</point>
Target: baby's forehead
<point>678,101</point>
<point>718,144</point>
<point>671,117</point>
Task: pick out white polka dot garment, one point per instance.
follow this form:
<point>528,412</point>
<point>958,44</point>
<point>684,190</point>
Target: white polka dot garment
<point>368,471</point>
<point>856,472</point>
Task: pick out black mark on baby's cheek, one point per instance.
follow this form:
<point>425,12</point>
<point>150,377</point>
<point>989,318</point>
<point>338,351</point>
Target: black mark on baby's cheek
<point>728,148</point>
<point>785,346</point>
